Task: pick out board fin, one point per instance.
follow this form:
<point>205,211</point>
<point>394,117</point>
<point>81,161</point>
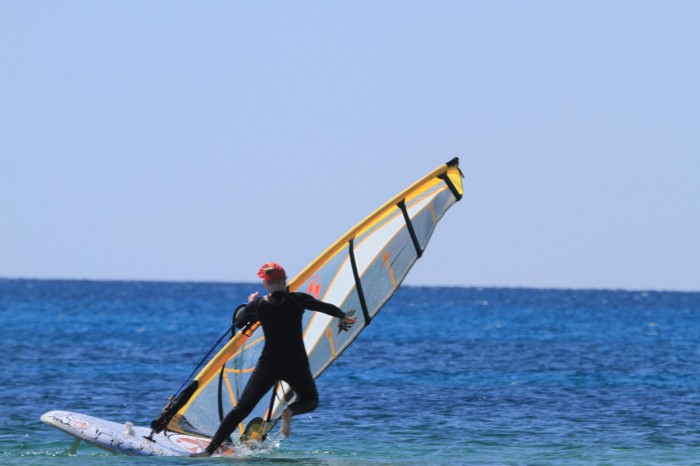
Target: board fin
<point>73,450</point>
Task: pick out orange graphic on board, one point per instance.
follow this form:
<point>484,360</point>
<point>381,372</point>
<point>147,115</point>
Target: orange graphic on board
<point>77,424</point>
<point>194,445</point>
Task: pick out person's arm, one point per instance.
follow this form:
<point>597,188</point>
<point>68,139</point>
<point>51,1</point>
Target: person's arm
<point>309,302</point>
<point>312,304</point>
<point>249,314</point>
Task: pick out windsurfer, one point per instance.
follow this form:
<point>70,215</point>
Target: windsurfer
<point>283,356</point>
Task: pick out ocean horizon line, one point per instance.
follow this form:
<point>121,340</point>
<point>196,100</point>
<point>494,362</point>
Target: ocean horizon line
<point>405,285</point>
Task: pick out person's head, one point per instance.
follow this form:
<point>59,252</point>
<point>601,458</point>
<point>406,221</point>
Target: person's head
<point>274,277</point>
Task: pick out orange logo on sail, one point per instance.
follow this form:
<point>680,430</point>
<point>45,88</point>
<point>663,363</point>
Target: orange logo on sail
<point>385,257</point>
<point>315,287</point>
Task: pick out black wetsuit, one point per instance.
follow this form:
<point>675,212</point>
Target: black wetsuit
<point>283,356</point>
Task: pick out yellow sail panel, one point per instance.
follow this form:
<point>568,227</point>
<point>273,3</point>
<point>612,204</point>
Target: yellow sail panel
<point>358,273</point>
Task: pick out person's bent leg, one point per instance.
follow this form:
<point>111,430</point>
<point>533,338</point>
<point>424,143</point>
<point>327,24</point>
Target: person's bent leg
<point>302,382</point>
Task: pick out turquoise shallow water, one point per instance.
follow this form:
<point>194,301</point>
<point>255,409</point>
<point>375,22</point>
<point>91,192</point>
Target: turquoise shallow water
<point>441,376</point>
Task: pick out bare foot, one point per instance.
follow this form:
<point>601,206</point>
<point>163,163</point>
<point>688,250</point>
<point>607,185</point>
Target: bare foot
<point>286,423</point>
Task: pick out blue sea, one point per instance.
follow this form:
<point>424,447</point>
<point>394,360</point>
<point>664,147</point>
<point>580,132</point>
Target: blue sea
<point>442,376</point>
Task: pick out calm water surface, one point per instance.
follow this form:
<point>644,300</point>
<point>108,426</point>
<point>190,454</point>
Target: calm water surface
<point>441,376</point>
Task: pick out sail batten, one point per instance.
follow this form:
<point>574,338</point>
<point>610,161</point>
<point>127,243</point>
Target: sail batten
<point>358,273</point>
<point>409,225</point>
<point>358,282</point>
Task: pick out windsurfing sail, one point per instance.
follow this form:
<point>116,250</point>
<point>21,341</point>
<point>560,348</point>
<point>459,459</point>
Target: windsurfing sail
<point>358,273</point>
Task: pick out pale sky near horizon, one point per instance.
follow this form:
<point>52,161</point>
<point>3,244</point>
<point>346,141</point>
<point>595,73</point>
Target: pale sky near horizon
<point>175,140</point>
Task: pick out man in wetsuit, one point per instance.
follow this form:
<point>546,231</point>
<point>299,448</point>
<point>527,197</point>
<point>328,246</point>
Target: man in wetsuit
<point>283,356</point>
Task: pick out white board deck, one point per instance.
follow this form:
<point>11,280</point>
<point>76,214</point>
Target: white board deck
<point>126,439</point>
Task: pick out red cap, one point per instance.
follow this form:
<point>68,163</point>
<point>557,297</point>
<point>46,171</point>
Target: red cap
<point>272,272</point>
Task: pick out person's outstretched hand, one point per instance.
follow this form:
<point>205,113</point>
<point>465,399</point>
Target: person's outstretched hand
<point>346,323</point>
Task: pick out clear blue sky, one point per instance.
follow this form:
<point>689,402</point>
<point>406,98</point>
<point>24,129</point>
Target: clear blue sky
<point>181,140</point>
